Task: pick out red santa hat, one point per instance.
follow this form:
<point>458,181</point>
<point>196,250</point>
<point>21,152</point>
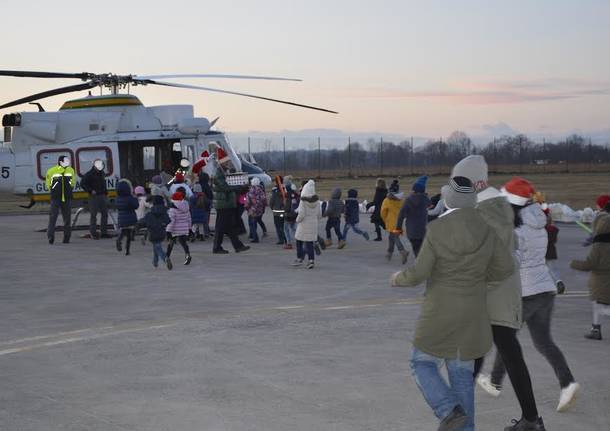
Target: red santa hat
<point>179,178</point>
<point>178,196</point>
<point>205,154</point>
<point>222,156</point>
<point>602,201</point>
<point>518,191</point>
<point>198,166</point>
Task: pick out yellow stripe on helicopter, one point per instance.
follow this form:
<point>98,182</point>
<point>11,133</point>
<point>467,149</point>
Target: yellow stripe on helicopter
<point>101,102</point>
<point>46,197</point>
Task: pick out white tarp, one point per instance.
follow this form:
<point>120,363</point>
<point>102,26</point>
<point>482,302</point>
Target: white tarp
<point>565,214</point>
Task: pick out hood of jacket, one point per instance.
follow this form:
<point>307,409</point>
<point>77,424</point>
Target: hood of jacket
<point>498,213</point>
<point>124,188</point>
<point>336,194</point>
<point>533,216</point>
<point>396,196</point>
<point>418,200</point>
<point>352,193</point>
<point>466,237</point>
<point>182,206</point>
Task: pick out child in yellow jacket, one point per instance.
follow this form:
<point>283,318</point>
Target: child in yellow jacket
<point>389,214</point>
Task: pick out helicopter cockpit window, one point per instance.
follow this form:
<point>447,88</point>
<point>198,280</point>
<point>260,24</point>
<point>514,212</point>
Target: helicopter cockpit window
<point>86,156</point>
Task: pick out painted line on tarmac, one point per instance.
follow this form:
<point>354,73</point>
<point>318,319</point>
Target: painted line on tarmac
<point>25,344</point>
<point>59,334</point>
<point>93,334</point>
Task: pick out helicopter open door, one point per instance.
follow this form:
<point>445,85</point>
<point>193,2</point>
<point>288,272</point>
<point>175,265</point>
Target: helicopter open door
<point>141,160</point>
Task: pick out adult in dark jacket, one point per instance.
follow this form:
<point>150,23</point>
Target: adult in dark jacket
<point>381,191</point>
<point>414,213</point>
<point>225,202</point>
<point>155,221</point>
<point>126,205</point>
<point>276,203</point>
<point>94,183</point>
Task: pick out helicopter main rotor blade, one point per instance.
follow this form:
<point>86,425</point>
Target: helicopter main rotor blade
<point>31,74</point>
<point>55,92</point>
<point>216,90</point>
<point>208,75</point>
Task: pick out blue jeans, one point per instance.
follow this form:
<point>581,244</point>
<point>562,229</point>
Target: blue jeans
<point>290,229</point>
<point>206,222</point>
<point>439,396</point>
<point>253,223</point>
<point>158,253</point>
<point>347,227</point>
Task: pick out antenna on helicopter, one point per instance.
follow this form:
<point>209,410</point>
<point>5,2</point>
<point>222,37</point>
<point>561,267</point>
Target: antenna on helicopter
<point>117,82</point>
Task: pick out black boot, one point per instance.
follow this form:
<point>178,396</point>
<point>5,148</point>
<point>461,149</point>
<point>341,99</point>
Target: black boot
<point>525,425</point>
<point>595,333</point>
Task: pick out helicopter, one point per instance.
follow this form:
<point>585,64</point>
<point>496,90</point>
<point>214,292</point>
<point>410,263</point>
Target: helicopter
<point>133,140</point>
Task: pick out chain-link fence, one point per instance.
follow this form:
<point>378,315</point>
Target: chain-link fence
<point>346,157</point>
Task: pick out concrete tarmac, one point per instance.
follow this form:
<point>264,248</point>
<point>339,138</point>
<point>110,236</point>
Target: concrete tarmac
<point>95,340</point>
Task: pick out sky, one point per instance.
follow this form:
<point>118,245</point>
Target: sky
<point>423,68</point>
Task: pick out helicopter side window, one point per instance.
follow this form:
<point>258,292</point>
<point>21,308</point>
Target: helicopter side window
<point>176,154</point>
<point>48,158</point>
<point>86,156</point>
<point>149,158</point>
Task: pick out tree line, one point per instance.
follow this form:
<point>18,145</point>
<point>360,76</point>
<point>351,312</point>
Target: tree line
<point>379,155</point>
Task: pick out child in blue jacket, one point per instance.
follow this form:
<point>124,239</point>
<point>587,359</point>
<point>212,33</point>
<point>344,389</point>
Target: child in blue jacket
<point>127,205</point>
<point>352,215</point>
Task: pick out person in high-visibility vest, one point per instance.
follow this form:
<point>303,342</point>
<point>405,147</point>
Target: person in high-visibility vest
<point>60,181</point>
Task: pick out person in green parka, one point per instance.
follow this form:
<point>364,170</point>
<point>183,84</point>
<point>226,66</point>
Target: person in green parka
<point>460,255</point>
<point>503,298</point>
<point>225,203</point>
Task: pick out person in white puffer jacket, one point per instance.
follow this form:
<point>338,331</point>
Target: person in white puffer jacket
<point>309,215</point>
<point>538,288</point>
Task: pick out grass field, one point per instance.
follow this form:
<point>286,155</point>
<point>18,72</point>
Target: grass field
<point>578,190</point>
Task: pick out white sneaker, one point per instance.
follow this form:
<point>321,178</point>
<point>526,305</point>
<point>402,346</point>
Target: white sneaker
<point>484,381</point>
<point>297,262</point>
<point>567,396</point>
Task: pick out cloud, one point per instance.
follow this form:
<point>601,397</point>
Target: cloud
<point>489,92</point>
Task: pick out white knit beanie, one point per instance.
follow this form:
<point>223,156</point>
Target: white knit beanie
<point>475,169</point>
